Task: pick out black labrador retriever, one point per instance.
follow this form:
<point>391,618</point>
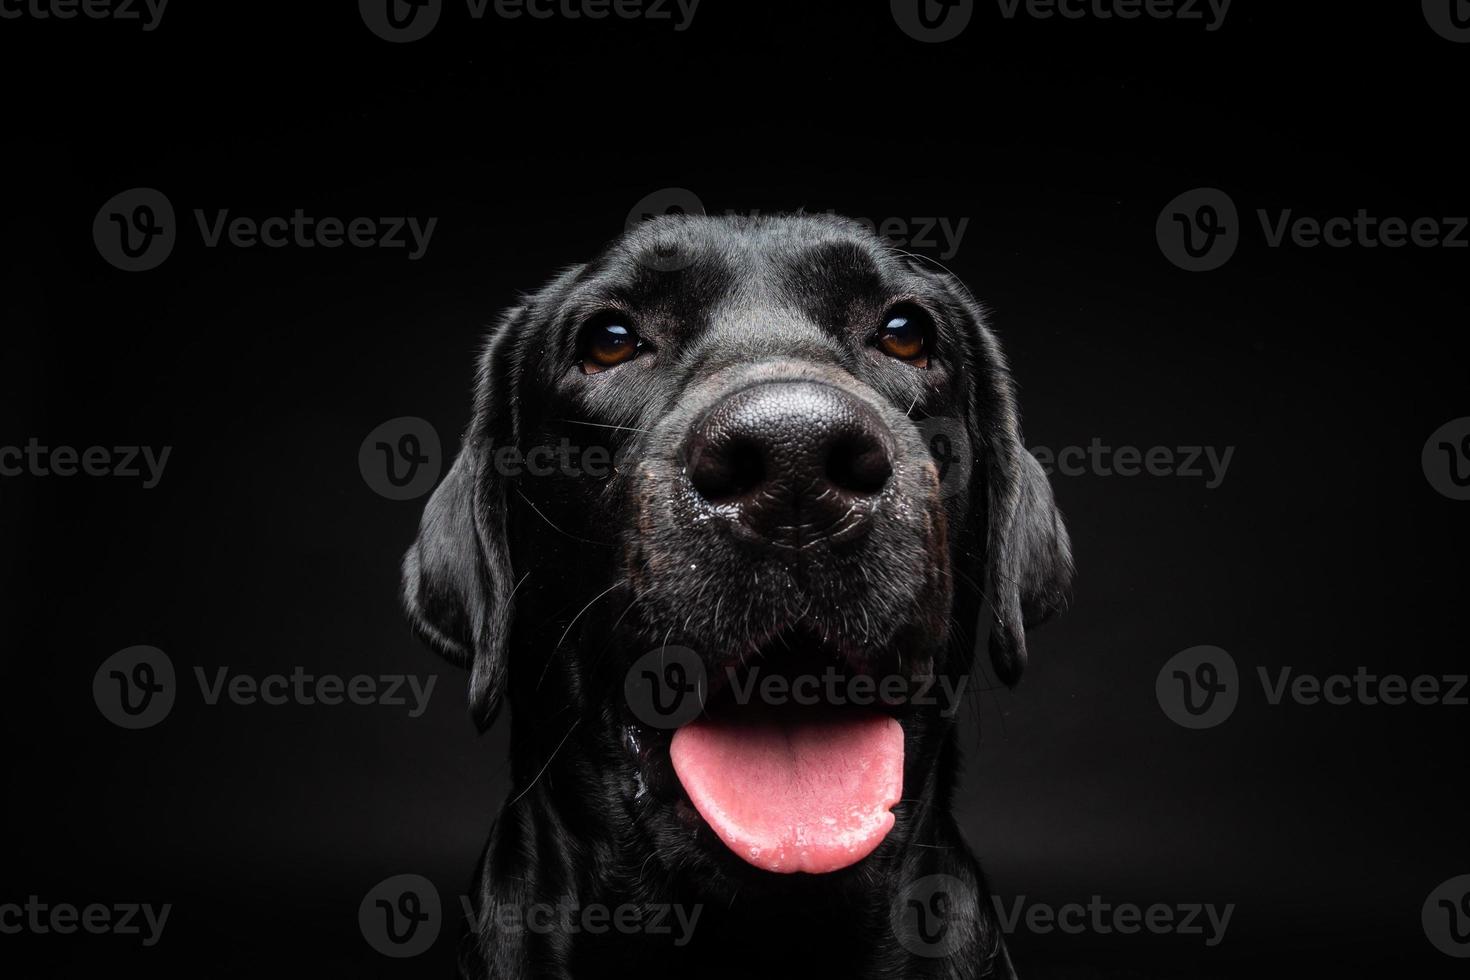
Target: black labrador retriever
<point>770,468</point>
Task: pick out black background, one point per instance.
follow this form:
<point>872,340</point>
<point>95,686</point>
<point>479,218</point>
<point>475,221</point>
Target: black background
<point>262,548</point>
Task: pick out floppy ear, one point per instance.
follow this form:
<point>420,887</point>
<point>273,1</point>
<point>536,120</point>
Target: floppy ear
<point>1027,555</point>
<point>457,575</point>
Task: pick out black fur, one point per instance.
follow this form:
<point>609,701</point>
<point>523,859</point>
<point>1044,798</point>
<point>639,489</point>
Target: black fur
<point>548,587</point>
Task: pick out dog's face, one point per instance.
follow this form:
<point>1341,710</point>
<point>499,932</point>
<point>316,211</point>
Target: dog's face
<point>719,445</point>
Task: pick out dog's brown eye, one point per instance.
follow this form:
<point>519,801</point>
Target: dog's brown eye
<point>607,341</point>
<point>905,335</point>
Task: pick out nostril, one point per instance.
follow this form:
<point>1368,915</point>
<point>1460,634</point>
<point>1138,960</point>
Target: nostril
<point>727,471</point>
<point>747,467</point>
<point>858,464</point>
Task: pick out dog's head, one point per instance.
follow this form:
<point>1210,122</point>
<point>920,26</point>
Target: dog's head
<point>761,451</point>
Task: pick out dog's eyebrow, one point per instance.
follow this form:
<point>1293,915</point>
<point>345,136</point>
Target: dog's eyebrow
<point>841,256</point>
<point>833,268</point>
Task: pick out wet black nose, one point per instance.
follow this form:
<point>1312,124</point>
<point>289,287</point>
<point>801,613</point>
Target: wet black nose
<point>796,461</point>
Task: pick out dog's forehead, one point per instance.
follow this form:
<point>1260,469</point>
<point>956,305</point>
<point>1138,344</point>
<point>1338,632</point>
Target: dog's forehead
<point>707,261</point>
<point>773,237</point>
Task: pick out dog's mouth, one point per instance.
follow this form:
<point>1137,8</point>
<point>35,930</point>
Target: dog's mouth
<point>794,787</point>
<point>795,764</point>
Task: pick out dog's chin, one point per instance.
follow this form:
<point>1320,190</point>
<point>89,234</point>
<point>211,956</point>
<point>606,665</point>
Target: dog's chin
<point>792,771</point>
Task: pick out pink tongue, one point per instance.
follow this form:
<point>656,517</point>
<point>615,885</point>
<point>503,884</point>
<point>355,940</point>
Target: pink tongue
<point>797,790</point>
